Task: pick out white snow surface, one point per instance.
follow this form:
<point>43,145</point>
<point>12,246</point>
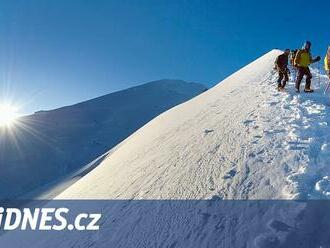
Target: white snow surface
<point>44,148</point>
<point>242,139</point>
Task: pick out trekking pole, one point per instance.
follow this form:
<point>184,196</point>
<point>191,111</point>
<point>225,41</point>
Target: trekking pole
<point>327,88</point>
<point>319,71</point>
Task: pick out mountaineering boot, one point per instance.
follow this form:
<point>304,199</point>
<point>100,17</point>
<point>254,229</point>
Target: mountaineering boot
<point>308,90</point>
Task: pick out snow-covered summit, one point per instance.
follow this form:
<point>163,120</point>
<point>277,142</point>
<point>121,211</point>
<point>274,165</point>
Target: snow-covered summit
<point>241,139</point>
<point>48,145</point>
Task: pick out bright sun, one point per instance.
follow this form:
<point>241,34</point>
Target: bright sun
<point>8,114</point>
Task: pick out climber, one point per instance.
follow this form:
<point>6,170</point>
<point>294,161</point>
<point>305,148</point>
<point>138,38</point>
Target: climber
<point>281,64</point>
<point>326,67</point>
<point>302,60</point>
<point>294,69</point>
<point>327,62</point>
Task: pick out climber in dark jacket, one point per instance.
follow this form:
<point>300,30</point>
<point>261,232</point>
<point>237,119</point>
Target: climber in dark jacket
<point>281,64</point>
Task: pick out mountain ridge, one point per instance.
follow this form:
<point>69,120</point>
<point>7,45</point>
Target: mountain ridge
<point>47,145</point>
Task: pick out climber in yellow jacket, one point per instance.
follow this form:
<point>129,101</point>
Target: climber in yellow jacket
<point>327,62</point>
<point>326,67</point>
<point>302,60</point>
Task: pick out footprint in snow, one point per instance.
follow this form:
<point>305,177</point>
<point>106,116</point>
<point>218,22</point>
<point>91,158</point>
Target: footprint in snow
<point>273,103</point>
<point>286,168</point>
<point>252,154</point>
<point>278,226</point>
<point>216,198</point>
<point>230,174</point>
<point>207,131</point>
<point>274,131</point>
<point>297,147</point>
<point>261,152</point>
<point>211,186</point>
<point>248,122</point>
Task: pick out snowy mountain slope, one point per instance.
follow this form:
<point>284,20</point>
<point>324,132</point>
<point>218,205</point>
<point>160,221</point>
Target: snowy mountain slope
<point>240,140</point>
<point>306,118</point>
<point>48,145</point>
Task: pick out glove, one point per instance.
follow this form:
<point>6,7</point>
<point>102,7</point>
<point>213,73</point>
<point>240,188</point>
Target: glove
<point>317,59</point>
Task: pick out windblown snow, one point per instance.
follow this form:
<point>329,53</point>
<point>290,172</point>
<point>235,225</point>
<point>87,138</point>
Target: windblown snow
<point>50,145</point>
<point>242,139</point>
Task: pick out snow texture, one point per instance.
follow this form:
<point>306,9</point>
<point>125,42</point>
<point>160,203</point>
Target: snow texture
<point>242,139</point>
<point>47,146</point>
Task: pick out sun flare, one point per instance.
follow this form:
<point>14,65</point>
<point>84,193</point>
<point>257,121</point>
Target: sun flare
<point>8,115</point>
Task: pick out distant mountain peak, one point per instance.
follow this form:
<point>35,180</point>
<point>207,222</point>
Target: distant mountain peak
<point>49,145</point>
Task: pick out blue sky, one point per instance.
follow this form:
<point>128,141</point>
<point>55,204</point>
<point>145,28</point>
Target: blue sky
<point>59,52</point>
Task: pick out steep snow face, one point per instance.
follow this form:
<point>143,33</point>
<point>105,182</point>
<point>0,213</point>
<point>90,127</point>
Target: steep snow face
<point>219,144</point>
<point>50,144</point>
<point>241,139</point>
